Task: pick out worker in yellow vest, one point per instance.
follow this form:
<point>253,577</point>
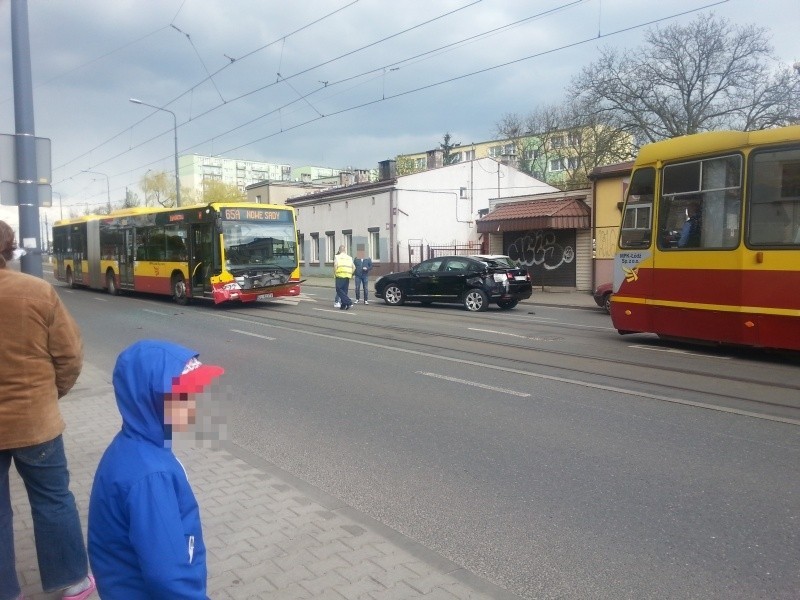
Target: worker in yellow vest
<point>343,269</point>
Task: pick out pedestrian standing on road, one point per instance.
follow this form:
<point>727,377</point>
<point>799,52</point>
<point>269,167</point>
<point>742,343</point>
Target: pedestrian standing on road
<point>343,269</point>
<point>41,355</point>
<point>363,266</point>
<point>145,537</point>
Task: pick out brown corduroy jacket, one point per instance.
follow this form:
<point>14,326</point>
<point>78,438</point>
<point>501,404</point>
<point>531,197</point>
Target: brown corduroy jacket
<point>41,355</point>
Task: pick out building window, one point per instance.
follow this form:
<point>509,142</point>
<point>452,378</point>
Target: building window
<point>374,244</point>
<point>495,151</point>
<point>556,164</point>
<point>315,248</point>
<point>420,163</point>
<point>330,246</point>
<point>469,155</point>
<point>557,141</point>
<point>574,138</point>
<point>530,154</point>
<point>508,150</point>
<point>348,241</point>
<point>301,248</point>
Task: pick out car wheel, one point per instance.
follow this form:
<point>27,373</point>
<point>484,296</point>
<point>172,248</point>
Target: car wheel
<point>507,304</point>
<point>475,300</point>
<point>111,283</point>
<point>179,289</point>
<point>607,303</point>
<point>393,295</point>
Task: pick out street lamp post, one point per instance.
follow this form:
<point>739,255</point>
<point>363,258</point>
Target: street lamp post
<point>175,130</point>
<point>108,185</point>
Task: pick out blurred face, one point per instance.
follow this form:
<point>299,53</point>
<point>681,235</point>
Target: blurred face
<point>179,411</point>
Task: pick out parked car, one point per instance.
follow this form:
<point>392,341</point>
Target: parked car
<point>602,296</point>
<point>474,281</point>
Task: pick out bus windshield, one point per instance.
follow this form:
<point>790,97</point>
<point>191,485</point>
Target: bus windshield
<point>250,246</point>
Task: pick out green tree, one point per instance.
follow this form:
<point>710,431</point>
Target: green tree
<point>158,188</point>
<point>217,191</point>
<point>447,146</point>
<point>705,75</point>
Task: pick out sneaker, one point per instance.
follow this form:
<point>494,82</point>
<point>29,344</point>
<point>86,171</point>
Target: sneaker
<point>358,301</point>
<point>337,305</point>
<point>80,591</point>
<point>366,301</point>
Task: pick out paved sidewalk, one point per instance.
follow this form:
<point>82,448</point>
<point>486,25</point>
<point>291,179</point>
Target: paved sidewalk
<point>268,534</point>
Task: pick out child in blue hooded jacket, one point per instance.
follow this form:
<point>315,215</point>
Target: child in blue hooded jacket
<point>145,538</point>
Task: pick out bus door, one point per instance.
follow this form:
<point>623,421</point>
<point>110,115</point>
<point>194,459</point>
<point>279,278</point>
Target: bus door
<point>77,252</point>
<point>126,259</point>
<point>201,258</point>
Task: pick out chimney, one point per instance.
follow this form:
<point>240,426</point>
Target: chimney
<point>387,169</point>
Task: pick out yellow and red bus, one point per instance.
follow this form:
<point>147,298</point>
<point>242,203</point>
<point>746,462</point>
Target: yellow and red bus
<point>221,251</point>
<point>709,247</point>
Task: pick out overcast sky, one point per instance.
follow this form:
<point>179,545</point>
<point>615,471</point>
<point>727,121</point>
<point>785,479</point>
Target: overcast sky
<point>337,83</point>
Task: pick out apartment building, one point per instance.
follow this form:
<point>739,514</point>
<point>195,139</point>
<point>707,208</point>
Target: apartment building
<point>196,169</point>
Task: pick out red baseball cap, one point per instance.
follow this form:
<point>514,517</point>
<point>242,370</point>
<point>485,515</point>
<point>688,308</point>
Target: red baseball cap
<point>195,377</point>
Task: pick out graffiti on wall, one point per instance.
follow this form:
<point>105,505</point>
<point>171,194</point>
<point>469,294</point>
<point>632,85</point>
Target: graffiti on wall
<point>540,249</point>
<point>549,255</point>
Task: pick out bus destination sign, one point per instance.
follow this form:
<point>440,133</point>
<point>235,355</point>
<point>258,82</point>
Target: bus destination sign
<point>254,214</point>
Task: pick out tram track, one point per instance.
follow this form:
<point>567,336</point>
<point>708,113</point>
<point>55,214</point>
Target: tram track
<point>769,396</point>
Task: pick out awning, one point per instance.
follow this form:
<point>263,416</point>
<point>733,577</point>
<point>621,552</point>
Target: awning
<point>547,213</point>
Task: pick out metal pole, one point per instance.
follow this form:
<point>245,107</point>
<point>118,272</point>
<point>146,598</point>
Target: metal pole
<point>60,206</point>
<point>27,184</point>
<point>175,131</point>
<point>108,186</point>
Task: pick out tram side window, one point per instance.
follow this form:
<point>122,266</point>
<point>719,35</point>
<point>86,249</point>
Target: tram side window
<point>637,218</point>
<point>774,199</point>
<point>700,204</point>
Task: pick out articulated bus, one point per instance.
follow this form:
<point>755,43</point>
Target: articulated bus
<point>222,251</point>
<point>709,248</point>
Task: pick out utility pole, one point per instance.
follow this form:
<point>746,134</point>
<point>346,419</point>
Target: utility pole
<point>29,238</point>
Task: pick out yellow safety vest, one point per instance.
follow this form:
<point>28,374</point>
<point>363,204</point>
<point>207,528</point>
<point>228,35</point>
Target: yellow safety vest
<point>343,266</point>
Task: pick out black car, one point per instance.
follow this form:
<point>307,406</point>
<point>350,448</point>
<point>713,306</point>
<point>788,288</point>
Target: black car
<point>474,281</point>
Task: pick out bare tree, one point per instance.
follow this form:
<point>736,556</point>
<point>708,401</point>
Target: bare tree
<point>705,75</point>
<point>561,143</point>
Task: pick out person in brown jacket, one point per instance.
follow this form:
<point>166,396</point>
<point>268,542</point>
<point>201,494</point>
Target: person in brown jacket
<point>41,354</point>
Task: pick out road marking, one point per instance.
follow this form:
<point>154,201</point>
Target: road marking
<point>99,299</point>
<point>155,312</point>
<point>474,383</point>
<point>586,384</point>
<point>263,337</point>
<point>676,351</point>
<point>332,310</point>
<point>538,338</point>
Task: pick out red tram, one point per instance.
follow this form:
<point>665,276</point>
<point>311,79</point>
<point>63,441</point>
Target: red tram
<point>709,248</point>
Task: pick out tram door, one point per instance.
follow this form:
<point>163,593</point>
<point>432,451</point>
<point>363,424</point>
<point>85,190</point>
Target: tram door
<point>126,259</point>
<point>201,257</point>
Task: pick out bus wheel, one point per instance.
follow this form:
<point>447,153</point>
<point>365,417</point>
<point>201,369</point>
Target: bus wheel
<point>179,289</point>
<point>111,282</point>
<point>70,279</point>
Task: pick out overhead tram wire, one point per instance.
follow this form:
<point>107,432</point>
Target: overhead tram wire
<point>246,94</point>
<point>302,97</point>
<point>478,72</point>
<point>422,88</point>
<point>191,89</point>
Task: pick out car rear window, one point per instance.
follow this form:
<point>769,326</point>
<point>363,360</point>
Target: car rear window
<point>501,262</point>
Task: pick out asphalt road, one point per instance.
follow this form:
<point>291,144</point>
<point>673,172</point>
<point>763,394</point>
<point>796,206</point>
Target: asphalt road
<point>534,447</point>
